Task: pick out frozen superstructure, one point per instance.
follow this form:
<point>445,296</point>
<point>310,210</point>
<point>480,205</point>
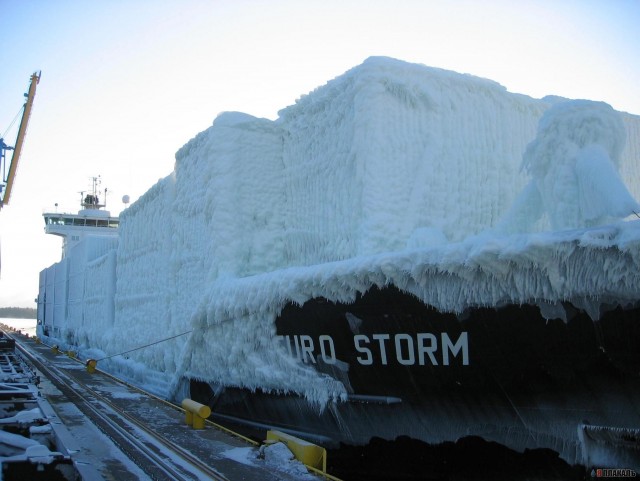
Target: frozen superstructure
<point>573,163</point>
<point>391,174</point>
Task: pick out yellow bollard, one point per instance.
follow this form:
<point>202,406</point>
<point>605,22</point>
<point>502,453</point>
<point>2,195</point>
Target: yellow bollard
<point>195,413</point>
<point>71,354</point>
<point>54,349</point>
<point>188,418</point>
<point>304,451</point>
<point>38,341</point>
<point>198,422</point>
<point>91,365</point>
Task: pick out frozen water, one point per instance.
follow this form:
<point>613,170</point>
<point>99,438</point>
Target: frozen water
<point>573,163</point>
<point>445,185</point>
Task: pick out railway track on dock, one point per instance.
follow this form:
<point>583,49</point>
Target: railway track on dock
<point>153,453</point>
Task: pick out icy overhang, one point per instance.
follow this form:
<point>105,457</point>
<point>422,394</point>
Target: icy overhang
<point>587,267</point>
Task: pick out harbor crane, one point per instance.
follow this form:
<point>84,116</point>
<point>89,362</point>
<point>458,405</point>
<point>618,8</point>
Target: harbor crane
<point>8,168</point>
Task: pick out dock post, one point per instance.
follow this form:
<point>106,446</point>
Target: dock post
<point>91,365</point>
<point>195,413</point>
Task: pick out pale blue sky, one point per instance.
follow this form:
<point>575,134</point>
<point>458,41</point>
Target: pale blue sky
<point>126,83</point>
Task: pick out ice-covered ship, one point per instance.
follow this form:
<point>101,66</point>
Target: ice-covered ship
<point>406,251</point>
<point>93,226</point>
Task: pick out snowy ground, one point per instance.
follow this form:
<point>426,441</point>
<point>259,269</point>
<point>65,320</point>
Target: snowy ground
<point>88,445</point>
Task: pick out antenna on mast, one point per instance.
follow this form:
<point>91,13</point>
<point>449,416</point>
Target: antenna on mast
<point>92,200</point>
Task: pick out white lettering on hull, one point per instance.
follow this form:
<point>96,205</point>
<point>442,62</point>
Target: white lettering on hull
<point>423,349</point>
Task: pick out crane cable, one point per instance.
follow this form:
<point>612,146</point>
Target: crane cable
<point>3,145</point>
<point>15,119</point>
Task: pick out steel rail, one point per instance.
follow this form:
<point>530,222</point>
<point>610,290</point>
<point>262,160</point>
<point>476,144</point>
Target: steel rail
<point>120,427</point>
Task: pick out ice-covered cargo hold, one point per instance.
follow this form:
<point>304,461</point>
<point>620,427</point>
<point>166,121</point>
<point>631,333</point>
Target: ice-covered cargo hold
<point>404,251</point>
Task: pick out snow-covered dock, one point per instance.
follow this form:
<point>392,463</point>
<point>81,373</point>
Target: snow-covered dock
<point>86,445</point>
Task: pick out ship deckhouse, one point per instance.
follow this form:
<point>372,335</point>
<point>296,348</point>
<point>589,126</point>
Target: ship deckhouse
<point>90,220</point>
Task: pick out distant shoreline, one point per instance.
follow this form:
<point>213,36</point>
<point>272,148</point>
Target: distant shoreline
<point>18,312</point>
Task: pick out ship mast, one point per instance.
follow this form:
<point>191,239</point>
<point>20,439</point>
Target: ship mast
<point>92,200</point>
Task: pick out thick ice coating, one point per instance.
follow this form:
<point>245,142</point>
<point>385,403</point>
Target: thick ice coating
<point>391,173</point>
<point>574,163</point>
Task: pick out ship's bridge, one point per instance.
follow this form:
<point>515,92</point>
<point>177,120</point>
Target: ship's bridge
<point>75,227</point>
<point>88,217</point>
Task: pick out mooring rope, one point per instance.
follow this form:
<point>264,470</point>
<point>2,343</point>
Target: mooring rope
<point>146,345</point>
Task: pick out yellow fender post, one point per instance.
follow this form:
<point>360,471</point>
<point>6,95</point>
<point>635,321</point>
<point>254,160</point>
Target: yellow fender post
<point>195,413</point>
<point>304,451</point>
<point>55,349</point>
<point>91,365</point>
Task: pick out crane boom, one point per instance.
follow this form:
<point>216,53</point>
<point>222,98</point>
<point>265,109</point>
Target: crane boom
<point>17,149</point>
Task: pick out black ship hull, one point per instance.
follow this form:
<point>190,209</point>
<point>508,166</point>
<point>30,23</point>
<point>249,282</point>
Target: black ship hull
<point>505,374</point>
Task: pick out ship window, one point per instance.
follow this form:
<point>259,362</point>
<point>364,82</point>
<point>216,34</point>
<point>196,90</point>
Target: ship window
<point>68,221</point>
<point>113,223</point>
<point>102,223</point>
<point>78,221</point>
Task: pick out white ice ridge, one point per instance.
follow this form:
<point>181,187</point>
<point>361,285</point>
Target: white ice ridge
<point>588,268</point>
<point>600,264</point>
<point>574,163</point>
<point>392,173</point>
